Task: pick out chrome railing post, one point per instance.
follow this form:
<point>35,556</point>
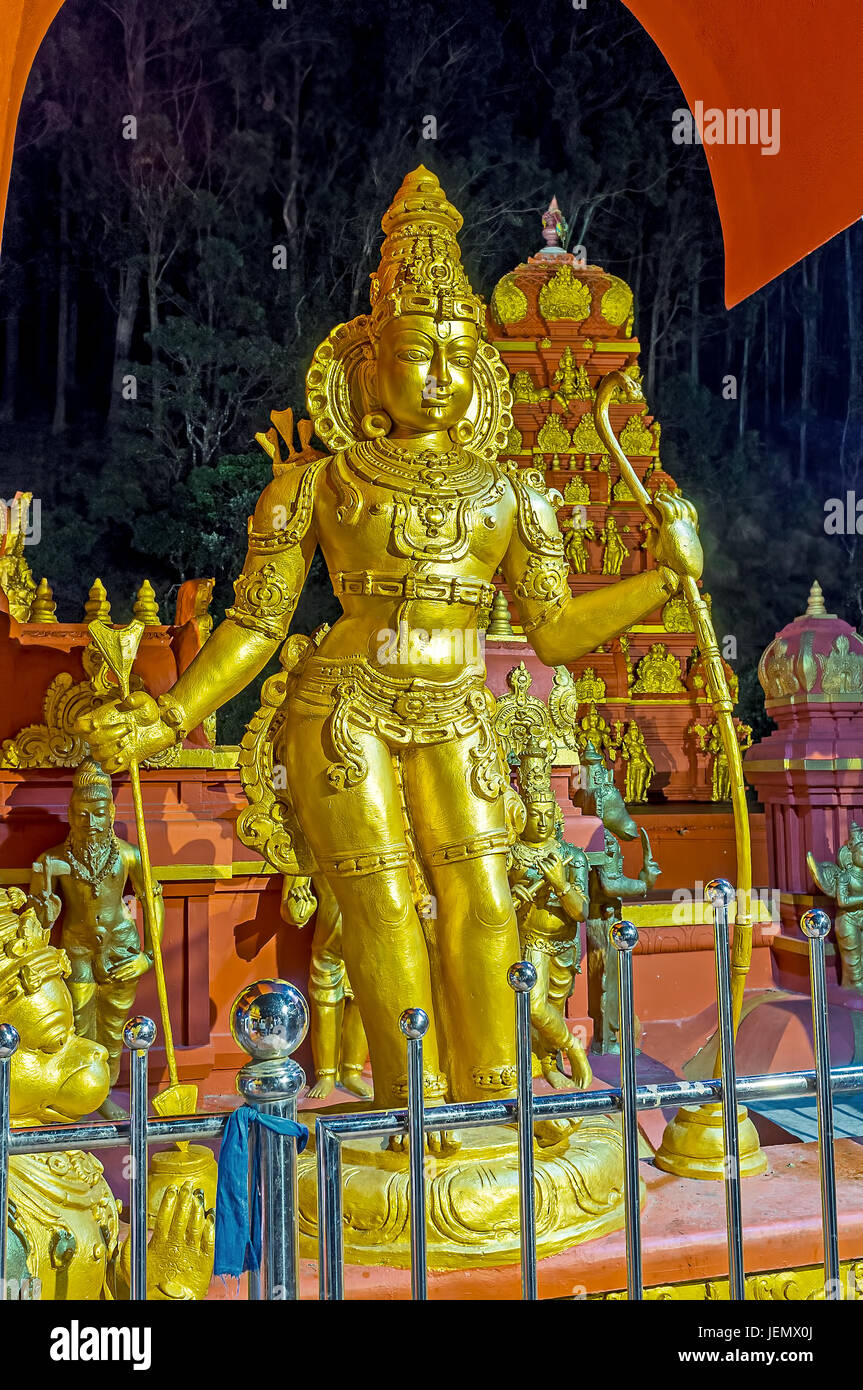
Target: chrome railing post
<point>139,1035</point>
<point>720,892</point>
<point>269,1020</point>
<point>522,978</point>
<point>624,936</point>
<point>815,925</point>
<point>8,1044</point>
<point>273,1088</point>
<point>414,1025</point>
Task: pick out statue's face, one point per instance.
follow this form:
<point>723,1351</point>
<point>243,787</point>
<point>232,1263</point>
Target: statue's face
<point>425,372</point>
<point>91,817</point>
<point>540,821</point>
<point>857,854</point>
<point>55,1075</point>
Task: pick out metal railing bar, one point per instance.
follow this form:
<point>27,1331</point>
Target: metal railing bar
<point>751,1090</point>
<point>34,1139</point>
<point>522,978</point>
<point>330,1171</point>
<point>139,1036</point>
<point>720,892</point>
<point>8,1043</point>
<point>815,925</point>
<point>624,937</point>
<point>414,1025</point>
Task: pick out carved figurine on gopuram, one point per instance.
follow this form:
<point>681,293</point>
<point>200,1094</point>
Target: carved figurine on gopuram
<point>63,1236</point>
<point>640,767</point>
<point>394,778</point>
<point>86,877</point>
<point>339,1045</point>
<point>844,882</point>
<point>548,878</point>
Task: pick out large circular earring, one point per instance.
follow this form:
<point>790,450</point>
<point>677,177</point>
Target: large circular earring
<point>375,424</point>
<point>462,433</point>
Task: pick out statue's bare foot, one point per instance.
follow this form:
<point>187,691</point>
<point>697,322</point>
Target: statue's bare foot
<point>322,1088</point>
<point>109,1110</point>
<point>547,1133</point>
<point>352,1081</point>
<point>438,1141</point>
<point>579,1065</point>
<point>558,1079</point>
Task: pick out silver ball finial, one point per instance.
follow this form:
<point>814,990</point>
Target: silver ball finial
<point>139,1033</point>
<point>624,936</point>
<point>815,924</point>
<point>269,1020</point>
<point>719,891</point>
<point>414,1023</point>
<point>521,977</point>
<point>9,1040</point>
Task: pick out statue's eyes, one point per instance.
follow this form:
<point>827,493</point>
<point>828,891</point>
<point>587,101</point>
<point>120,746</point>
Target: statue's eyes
<point>414,355</point>
<point>463,360</point>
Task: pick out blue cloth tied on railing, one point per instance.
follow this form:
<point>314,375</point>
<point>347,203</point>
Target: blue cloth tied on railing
<point>238,1231</point>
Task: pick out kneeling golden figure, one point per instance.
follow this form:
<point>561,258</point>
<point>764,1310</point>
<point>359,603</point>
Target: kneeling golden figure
<point>393,770</point>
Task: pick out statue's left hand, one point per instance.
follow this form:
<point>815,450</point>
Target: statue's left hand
<point>675,542</point>
<point>180,1255</point>
<point>131,969</point>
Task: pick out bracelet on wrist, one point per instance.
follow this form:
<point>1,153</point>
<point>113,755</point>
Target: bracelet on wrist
<point>172,713</point>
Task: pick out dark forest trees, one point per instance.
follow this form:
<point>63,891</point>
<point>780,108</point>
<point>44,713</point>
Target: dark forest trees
<point>196,201</point>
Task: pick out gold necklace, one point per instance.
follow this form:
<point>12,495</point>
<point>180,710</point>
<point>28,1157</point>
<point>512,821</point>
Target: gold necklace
<point>95,876</point>
<point>454,473</point>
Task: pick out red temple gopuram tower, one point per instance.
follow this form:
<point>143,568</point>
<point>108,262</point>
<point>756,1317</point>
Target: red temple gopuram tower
<point>560,326</point>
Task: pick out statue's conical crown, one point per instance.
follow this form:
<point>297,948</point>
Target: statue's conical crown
<point>421,270</point>
<point>534,772</point>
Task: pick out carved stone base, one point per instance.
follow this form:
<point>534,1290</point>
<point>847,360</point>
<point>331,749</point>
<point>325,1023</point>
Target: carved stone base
<point>693,1146</point>
<point>472,1198</point>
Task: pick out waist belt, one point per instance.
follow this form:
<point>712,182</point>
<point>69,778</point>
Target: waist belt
<point>440,589</point>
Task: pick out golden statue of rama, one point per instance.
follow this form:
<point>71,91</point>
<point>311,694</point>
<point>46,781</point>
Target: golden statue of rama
<point>395,782</point>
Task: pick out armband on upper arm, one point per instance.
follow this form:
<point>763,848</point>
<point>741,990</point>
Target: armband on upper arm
<point>264,602</point>
<point>544,578</point>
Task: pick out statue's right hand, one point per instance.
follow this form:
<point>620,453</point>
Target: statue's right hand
<point>121,730</point>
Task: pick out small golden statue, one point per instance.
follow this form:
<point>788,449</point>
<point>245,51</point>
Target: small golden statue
<point>640,767</point>
<point>709,741</point>
<point>339,1046</point>
<point>844,882</point>
<point>578,533</point>
<point>548,878</point>
<point>92,869</point>
<point>594,728</point>
<point>63,1225</point>
<point>614,549</point>
<point>395,783</point>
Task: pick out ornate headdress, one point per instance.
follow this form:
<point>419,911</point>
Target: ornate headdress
<point>420,273</point>
<point>421,270</point>
<point>855,834</point>
<point>26,956</point>
<point>534,773</point>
